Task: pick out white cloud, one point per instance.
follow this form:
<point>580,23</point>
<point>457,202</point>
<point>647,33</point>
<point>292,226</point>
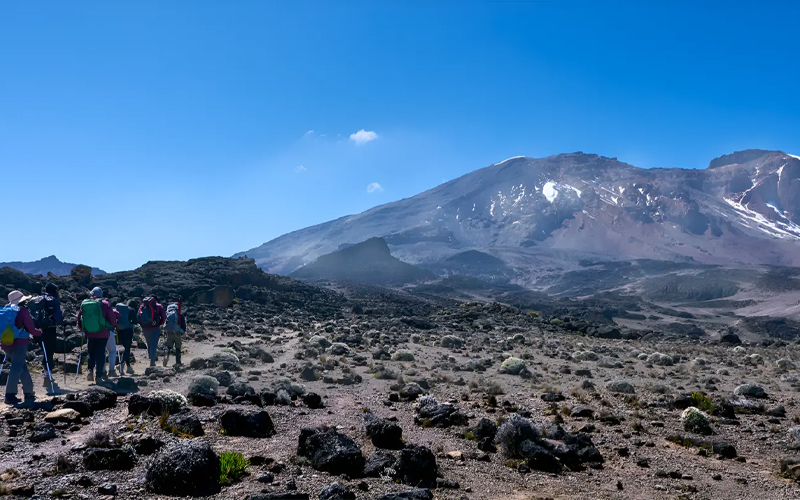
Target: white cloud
<point>363,136</point>
<point>300,168</point>
<point>374,187</point>
<point>308,133</point>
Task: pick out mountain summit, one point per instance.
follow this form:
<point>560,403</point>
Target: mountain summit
<point>533,213</point>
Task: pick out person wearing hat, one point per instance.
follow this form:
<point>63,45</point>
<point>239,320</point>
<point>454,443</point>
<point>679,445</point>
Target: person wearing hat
<point>15,318</point>
<point>50,331</point>
<point>96,319</point>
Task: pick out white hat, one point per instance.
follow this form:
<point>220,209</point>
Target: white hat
<point>15,297</point>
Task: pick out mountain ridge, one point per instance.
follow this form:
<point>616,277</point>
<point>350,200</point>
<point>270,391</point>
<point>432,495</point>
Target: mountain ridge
<point>745,210</point>
<point>46,265</point>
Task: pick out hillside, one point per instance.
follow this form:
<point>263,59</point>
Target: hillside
<point>535,215</point>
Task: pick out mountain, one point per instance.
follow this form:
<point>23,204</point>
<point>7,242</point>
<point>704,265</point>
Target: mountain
<point>47,265</point>
<point>537,216</point>
<point>369,262</point>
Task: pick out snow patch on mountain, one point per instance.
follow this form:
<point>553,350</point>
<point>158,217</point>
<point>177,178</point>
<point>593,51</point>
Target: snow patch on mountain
<point>549,191</point>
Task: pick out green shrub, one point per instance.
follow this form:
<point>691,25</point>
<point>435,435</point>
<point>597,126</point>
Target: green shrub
<point>232,467</point>
<point>703,402</point>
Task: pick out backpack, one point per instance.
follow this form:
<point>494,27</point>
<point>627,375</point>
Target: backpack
<point>43,311</point>
<point>173,319</point>
<point>92,317</point>
<point>124,321</point>
<point>8,329</point>
<point>148,313</point>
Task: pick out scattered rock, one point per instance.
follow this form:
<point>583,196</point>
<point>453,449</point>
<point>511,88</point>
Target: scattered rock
<point>331,452</point>
<point>247,422</point>
<point>185,468</point>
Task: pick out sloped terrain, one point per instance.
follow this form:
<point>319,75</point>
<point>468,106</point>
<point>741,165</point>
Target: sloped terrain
<point>397,391</point>
<point>539,213</point>
<point>369,262</point>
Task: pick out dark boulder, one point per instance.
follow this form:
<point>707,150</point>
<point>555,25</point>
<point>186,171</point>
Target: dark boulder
<point>42,431</point>
<point>336,491</point>
<point>378,462</point>
<point>313,400</point>
<point>331,452</point>
<point>109,458</point>
<point>247,423</point>
<point>383,433</point>
<point>98,398</point>
<point>416,466</point>
<point>432,413</point>
<point>485,429</point>
<point>184,424</point>
<point>187,467</point>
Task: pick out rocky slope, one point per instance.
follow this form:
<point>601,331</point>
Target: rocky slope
<point>553,212</point>
<point>372,393</point>
<point>369,262</point>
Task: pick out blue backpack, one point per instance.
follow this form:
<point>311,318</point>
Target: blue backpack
<point>8,329</point>
<point>124,321</point>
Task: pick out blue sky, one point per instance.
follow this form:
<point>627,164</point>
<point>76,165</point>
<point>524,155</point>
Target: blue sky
<point>169,130</point>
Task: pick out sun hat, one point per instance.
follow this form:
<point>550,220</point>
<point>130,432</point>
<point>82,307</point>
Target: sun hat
<point>15,297</point>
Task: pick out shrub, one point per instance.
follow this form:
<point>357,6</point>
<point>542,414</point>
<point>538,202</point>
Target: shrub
<point>403,355</point>
<point>232,467</point>
<point>703,402</point>
<point>512,365</point>
<point>171,401</point>
<point>512,433</point>
<point>695,420</point>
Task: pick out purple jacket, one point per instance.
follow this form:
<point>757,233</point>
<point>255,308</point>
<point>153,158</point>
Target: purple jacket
<point>23,322</point>
<point>160,313</point>
<point>109,314</point>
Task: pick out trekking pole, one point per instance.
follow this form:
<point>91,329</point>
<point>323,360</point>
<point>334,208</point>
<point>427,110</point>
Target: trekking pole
<point>80,353</point>
<point>47,364</point>
<point>64,368</point>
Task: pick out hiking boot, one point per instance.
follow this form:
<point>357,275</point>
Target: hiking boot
<point>152,362</point>
<point>30,399</point>
<point>52,388</point>
<point>129,370</point>
<point>90,377</point>
<point>112,372</point>
<point>11,399</point>
<point>166,360</point>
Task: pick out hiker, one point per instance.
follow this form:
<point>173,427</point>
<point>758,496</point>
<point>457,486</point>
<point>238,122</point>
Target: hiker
<point>127,319</point>
<point>16,327</point>
<point>45,311</point>
<point>151,318</point>
<point>95,319</point>
<point>174,328</point>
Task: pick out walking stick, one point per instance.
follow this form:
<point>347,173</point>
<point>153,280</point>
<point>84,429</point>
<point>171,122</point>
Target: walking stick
<point>47,364</point>
<point>80,353</point>
<point>64,368</point>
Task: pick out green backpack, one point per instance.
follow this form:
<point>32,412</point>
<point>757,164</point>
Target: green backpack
<point>92,316</point>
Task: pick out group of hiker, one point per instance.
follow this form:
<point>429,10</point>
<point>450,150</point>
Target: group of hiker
<point>104,326</point>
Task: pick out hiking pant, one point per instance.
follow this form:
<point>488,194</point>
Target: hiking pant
<point>111,347</point>
<point>97,356</point>
<point>125,340</point>
<point>174,341</point>
<point>49,341</point>
<point>151,336</point>
<point>19,372</point>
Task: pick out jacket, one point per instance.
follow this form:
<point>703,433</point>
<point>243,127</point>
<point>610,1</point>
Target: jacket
<point>23,322</point>
<point>109,314</point>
